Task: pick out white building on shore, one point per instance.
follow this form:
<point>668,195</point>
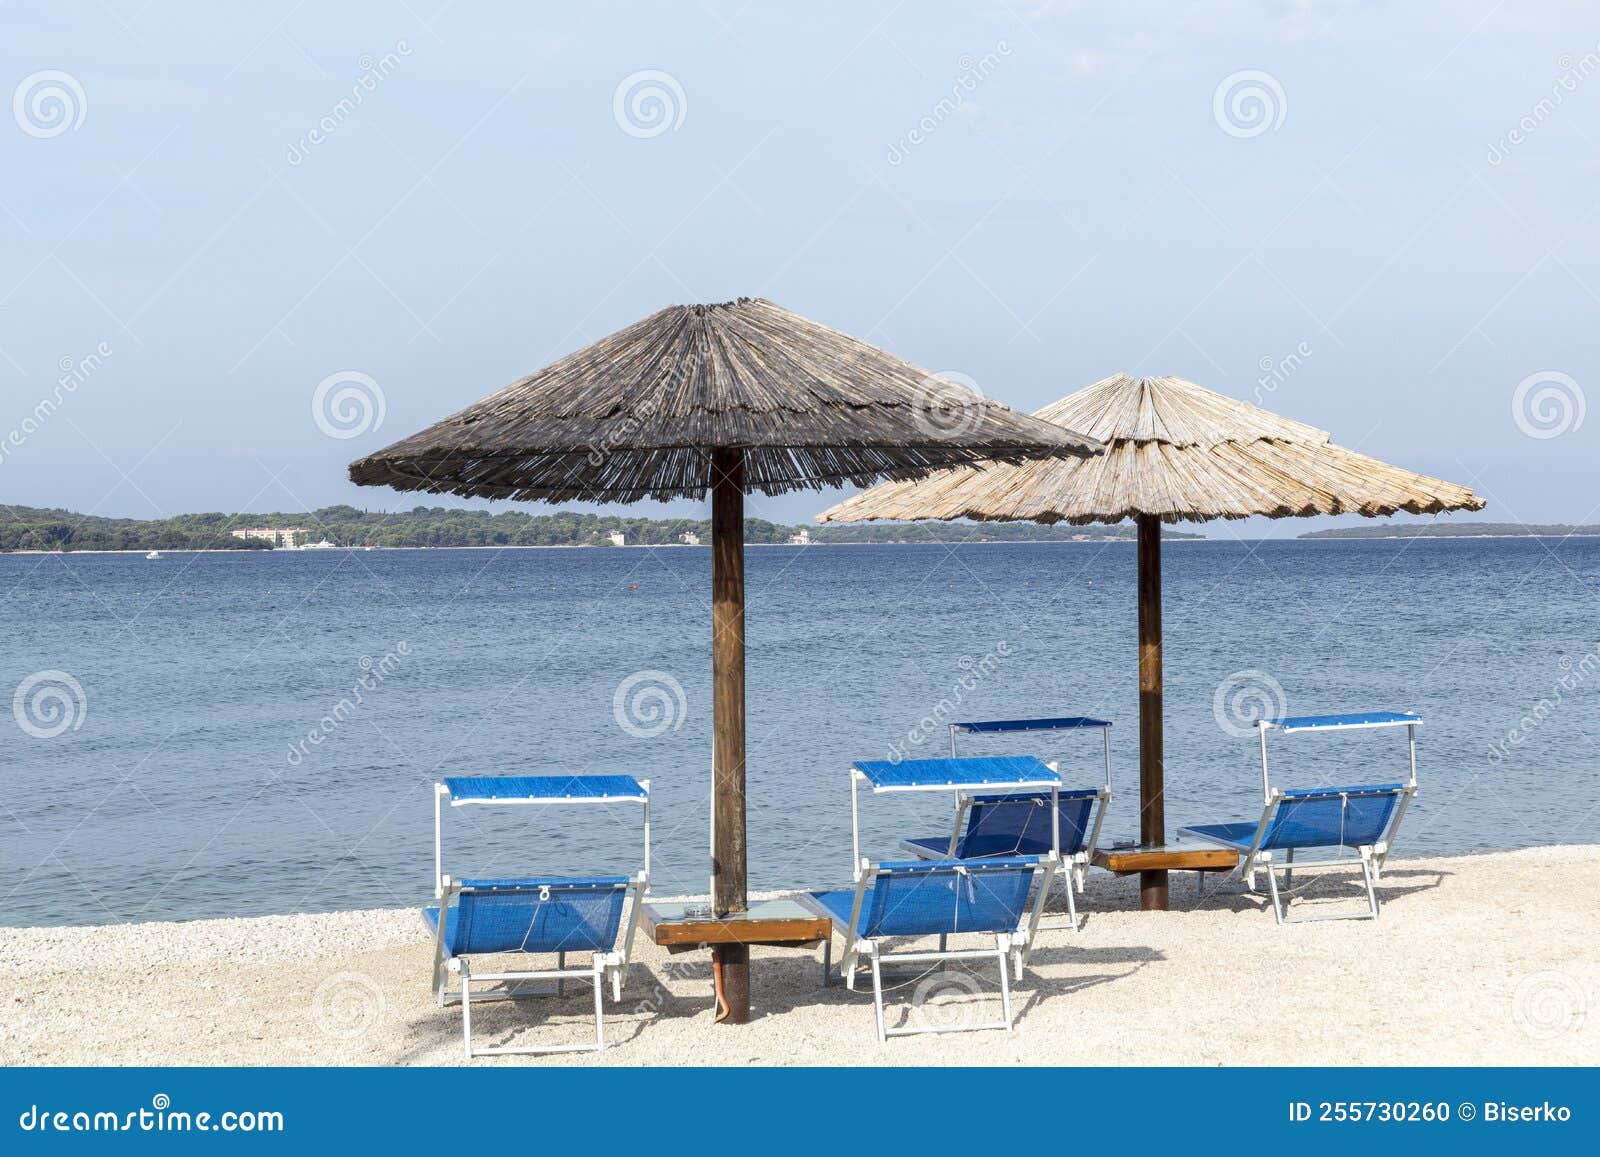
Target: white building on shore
<point>285,537</point>
<point>801,539</point>
<point>618,538</point>
<point>689,538</point>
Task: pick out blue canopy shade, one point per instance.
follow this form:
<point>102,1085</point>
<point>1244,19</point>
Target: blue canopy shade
<point>1064,723</point>
<point>1343,722</point>
<point>571,788</point>
<point>972,772</point>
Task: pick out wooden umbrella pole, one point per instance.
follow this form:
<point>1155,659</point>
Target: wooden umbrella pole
<point>727,709</point>
<point>1152,774</point>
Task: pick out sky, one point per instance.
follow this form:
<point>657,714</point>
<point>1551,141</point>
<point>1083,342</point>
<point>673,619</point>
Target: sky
<point>241,248</point>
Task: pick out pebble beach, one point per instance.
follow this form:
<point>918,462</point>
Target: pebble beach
<point>1476,960</point>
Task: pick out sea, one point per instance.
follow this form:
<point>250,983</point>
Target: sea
<point>237,734</point>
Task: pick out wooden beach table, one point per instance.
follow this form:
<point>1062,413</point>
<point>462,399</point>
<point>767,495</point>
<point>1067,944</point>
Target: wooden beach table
<point>1168,857</point>
<point>782,923</point>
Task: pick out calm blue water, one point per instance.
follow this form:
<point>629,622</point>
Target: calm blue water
<point>181,794</point>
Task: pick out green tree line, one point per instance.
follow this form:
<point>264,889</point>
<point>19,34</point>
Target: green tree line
<point>33,528</point>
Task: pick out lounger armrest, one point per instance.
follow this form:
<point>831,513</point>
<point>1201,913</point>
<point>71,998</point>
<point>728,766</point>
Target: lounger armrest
<point>534,883</point>
<point>1086,855</point>
<point>986,864</point>
<point>1047,875</point>
<point>636,888</point>
<point>1357,790</point>
<point>447,889</point>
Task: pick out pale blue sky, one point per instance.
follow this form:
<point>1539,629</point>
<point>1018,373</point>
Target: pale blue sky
<point>1086,207</point>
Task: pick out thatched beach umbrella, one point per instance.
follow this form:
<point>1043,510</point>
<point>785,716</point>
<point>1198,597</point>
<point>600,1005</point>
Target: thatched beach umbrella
<point>1177,453</point>
<point>724,398</point>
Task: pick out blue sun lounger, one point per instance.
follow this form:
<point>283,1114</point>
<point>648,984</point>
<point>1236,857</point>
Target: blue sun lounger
<point>942,898</point>
<point>919,899</point>
<point>534,915</point>
<point>1324,821</point>
<point>1018,823</point>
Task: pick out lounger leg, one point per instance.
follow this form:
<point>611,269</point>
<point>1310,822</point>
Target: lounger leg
<point>944,942</point>
<point>1372,893</point>
<point>847,967</point>
<point>1272,886</point>
<point>599,1011</point>
<point>596,976</point>
<point>616,985</point>
<point>877,994</point>
<point>1288,871</point>
<point>561,985</point>
<point>1005,979</point>
<point>1072,909</point>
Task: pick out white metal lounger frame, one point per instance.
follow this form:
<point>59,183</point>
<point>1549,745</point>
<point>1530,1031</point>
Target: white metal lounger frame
<point>442,793</point>
<point>604,966</point>
<point>612,966</point>
<point>1077,865</point>
<point>860,865</point>
<point>1009,948</point>
<point>1372,857</point>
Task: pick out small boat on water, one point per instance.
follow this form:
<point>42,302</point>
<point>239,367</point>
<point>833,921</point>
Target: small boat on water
<point>153,554</point>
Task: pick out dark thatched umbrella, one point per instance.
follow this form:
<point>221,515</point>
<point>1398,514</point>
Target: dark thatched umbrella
<point>1176,453</point>
<point>724,398</point>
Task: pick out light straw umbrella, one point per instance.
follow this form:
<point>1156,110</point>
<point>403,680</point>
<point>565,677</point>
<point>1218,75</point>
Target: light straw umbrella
<point>726,398</point>
<point>1177,453</point>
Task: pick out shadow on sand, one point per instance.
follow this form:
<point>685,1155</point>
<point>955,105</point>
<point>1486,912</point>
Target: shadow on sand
<point>941,995</point>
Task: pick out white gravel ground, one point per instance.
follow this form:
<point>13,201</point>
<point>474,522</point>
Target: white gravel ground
<point>1487,959</point>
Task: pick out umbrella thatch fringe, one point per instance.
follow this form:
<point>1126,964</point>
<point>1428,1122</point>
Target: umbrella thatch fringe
<point>1177,451</point>
<point>636,415</point>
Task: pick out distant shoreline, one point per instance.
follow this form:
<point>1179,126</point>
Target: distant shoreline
<point>590,546</point>
<point>1099,541</point>
<point>43,530</point>
<point>1480,529</point>
<point>1324,537</point>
